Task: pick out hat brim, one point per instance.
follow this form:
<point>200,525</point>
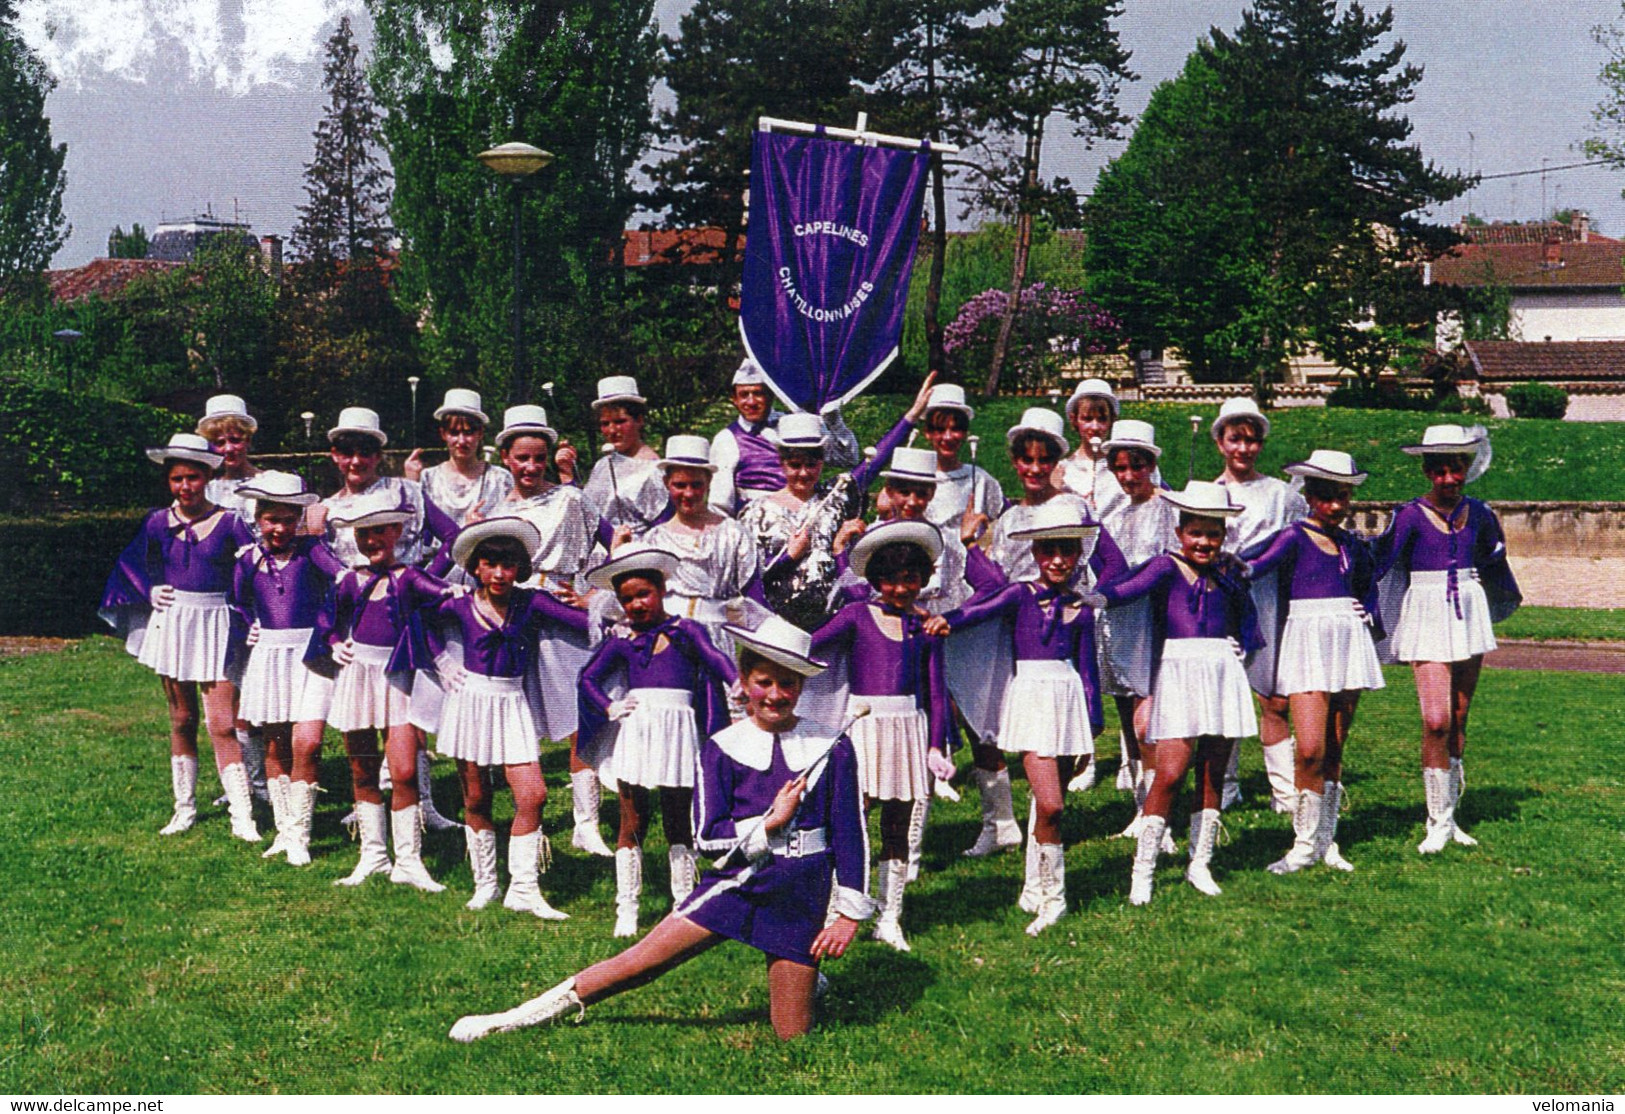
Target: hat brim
<point>922,534</point>
<point>248,420</point>
<point>1073,403</point>
<point>1042,533</point>
<point>1205,512</point>
<point>666,465</point>
<point>1058,441</point>
<point>547,433</point>
<point>1144,446</point>
<point>1313,472</point>
<point>644,560</point>
<point>508,526</point>
<point>961,407</point>
<point>377,435</point>
<point>616,400</point>
<point>190,456</point>
<point>1219,423</point>
<point>374,518</point>
<point>1465,448</point>
<point>466,411</point>
<point>909,477</point>
<point>807,667</point>
<point>298,499</point>
<point>817,446</point>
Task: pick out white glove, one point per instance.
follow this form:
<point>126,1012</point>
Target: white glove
<point>1235,648</point>
<point>940,765</point>
<point>451,673</point>
<point>1361,613</point>
<point>163,597</point>
<point>254,633</point>
<point>620,709</point>
<point>344,653</point>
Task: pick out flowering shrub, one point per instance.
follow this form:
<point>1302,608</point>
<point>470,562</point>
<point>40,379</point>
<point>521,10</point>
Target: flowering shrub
<point>1053,330</point>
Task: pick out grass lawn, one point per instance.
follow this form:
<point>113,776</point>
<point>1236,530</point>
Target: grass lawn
<point>1560,624</point>
<point>138,963</point>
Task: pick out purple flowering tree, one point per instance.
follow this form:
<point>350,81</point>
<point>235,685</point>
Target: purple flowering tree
<point>1053,331</point>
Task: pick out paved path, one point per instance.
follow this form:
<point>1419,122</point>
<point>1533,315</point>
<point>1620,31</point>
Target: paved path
<point>1567,657</point>
<point>1570,581</point>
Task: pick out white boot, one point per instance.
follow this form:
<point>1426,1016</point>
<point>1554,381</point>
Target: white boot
<point>432,820</point>
<point>628,888</point>
<point>585,794</point>
<point>684,872</point>
<point>1306,846</point>
<point>1084,779</point>
<point>1125,767</point>
<point>371,820</point>
<point>1052,883</point>
<point>1143,777</point>
<point>1458,783</point>
<point>406,825</point>
<point>1330,804</point>
<point>1145,859</point>
<point>999,828</point>
<point>1441,810</point>
<point>277,790</point>
<point>1280,766</point>
<point>301,809</point>
<point>919,812</point>
<point>1030,898</point>
<point>1204,836</point>
<point>547,1007</point>
<point>524,865</point>
<point>1232,778</point>
<point>888,926</point>
<point>482,860</point>
<point>234,779</point>
<point>183,781</point>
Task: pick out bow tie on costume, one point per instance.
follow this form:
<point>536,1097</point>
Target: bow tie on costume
<point>268,563</point>
<point>913,646</point>
<point>644,640</point>
<point>186,532</point>
<point>391,599</point>
<point>504,645</point>
<point>1338,537</point>
<point>1452,591</point>
<point>1060,597</point>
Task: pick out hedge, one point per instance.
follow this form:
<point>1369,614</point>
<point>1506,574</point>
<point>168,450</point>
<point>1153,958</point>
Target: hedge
<point>72,450</point>
<point>52,570</point>
<point>1537,400</point>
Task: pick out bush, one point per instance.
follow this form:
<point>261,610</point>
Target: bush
<point>1537,400</point>
<point>60,449</point>
<point>52,571</point>
<point>1461,404</point>
<point>1357,395</point>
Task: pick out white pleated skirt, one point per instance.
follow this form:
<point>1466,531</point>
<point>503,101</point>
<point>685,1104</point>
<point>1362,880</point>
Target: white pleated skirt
<point>363,696</point>
<point>891,742</point>
<point>1201,689</point>
<point>1326,647</point>
<point>1124,636</point>
<point>1429,628</point>
<point>275,678</point>
<point>1045,712</point>
<point>658,745</point>
<point>189,640</point>
<point>487,721</point>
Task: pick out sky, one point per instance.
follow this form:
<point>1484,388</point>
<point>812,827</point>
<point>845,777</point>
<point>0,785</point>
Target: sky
<point>171,107</point>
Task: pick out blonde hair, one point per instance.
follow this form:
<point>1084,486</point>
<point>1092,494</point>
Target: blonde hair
<point>210,428</point>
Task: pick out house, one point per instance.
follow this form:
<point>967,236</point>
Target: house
<point>1591,371</point>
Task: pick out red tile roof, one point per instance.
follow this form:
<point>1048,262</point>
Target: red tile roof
<point>101,278</point>
<point>1503,361</point>
<point>643,247</point>
<point>1594,263</point>
<point>1532,232</point>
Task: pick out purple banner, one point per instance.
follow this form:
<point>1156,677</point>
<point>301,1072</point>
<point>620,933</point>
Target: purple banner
<point>828,253</point>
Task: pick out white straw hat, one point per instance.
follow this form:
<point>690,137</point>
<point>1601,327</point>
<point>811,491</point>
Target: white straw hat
<point>1059,518</point>
<point>188,447</point>
<point>1328,464</point>
<point>277,487</point>
<point>359,419</point>
<point>1206,498</point>
<point>781,641</point>
<point>1091,388</point>
<point>1036,419</point>
<point>685,450</point>
<point>917,466</point>
<point>631,559</point>
<point>803,432</point>
<point>460,400</point>
<point>922,534</point>
<point>1130,433</point>
<point>525,420</point>
<point>614,389</point>
<point>1236,408</point>
<point>949,396</point>
<point>750,374</point>
<point>228,406</point>
<point>469,538</point>
<point>380,508</point>
<point>1455,440</point>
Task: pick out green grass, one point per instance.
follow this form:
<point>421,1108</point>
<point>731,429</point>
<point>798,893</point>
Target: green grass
<point>1565,624</point>
<point>1534,460</point>
<point>138,963</point>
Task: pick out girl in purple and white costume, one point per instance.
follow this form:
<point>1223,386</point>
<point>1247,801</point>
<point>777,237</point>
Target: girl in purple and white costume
<point>487,719</point>
<point>1202,624</point>
<point>674,681</point>
<point>1449,553</point>
<point>779,806</point>
<point>1267,505</point>
<point>1325,654</point>
<point>177,571</point>
<point>372,610</point>
<point>278,587</point>
<point>895,669</point>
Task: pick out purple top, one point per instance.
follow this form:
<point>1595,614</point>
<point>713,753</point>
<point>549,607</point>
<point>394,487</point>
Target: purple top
<point>284,596</point>
<point>758,468</point>
<point>1044,631</point>
<point>189,556</point>
<point>1106,562</point>
<point>504,651</point>
<point>1217,604</point>
<point>1417,541</point>
<point>1311,572</point>
<point>882,666</point>
<point>380,622</point>
<point>688,661</point>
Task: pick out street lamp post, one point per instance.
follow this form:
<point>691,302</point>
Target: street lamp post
<point>413,381</point>
<point>69,337</point>
<point>516,161</point>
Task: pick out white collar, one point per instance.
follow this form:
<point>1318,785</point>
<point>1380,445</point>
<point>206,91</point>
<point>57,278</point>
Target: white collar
<point>749,745</point>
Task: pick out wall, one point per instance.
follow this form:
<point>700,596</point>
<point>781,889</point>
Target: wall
<point>1568,315</point>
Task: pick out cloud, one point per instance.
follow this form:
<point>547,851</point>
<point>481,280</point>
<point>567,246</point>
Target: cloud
<point>232,45</point>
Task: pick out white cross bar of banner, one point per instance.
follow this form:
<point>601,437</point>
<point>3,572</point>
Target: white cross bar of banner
<point>859,135</point>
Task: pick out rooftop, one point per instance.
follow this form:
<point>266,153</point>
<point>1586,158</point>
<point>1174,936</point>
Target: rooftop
<point>101,278</point>
<point>1598,262</point>
<point>1500,361</point>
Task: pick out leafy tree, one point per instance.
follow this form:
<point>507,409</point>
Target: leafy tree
<point>31,178</point>
<point>1269,199</point>
<point>127,245</point>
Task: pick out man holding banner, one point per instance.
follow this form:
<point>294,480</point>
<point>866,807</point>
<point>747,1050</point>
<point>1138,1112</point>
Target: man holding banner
<point>746,451</point>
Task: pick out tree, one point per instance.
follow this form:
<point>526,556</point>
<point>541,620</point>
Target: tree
<point>1042,58</point>
<point>127,245</point>
<point>1269,199</point>
<point>31,178</point>
<point>1056,330</point>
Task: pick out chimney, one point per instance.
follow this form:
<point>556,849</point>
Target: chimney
<point>271,248</point>
<point>1582,226</point>
<point>1554,255</point>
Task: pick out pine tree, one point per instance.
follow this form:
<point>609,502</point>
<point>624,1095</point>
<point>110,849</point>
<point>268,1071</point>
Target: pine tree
<point>31,178</point>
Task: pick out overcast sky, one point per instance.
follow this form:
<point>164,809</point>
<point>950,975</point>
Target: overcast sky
<point>169,106</point>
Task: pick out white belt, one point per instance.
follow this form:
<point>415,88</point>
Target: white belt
<point>1191,649</point>
<point>199,599</point>
<point>663,698</point>
<point>285,636</point>
<point>1041,670</point>
<point>1435,576</point>
<point>480,682</point>
<point>368,654</point>
<point>882,706</point>
<point>704,609</point>
<point>1337,605</point>
<point>799,843</point>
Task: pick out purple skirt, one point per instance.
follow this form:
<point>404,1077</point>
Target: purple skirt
<point>778,909</point>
